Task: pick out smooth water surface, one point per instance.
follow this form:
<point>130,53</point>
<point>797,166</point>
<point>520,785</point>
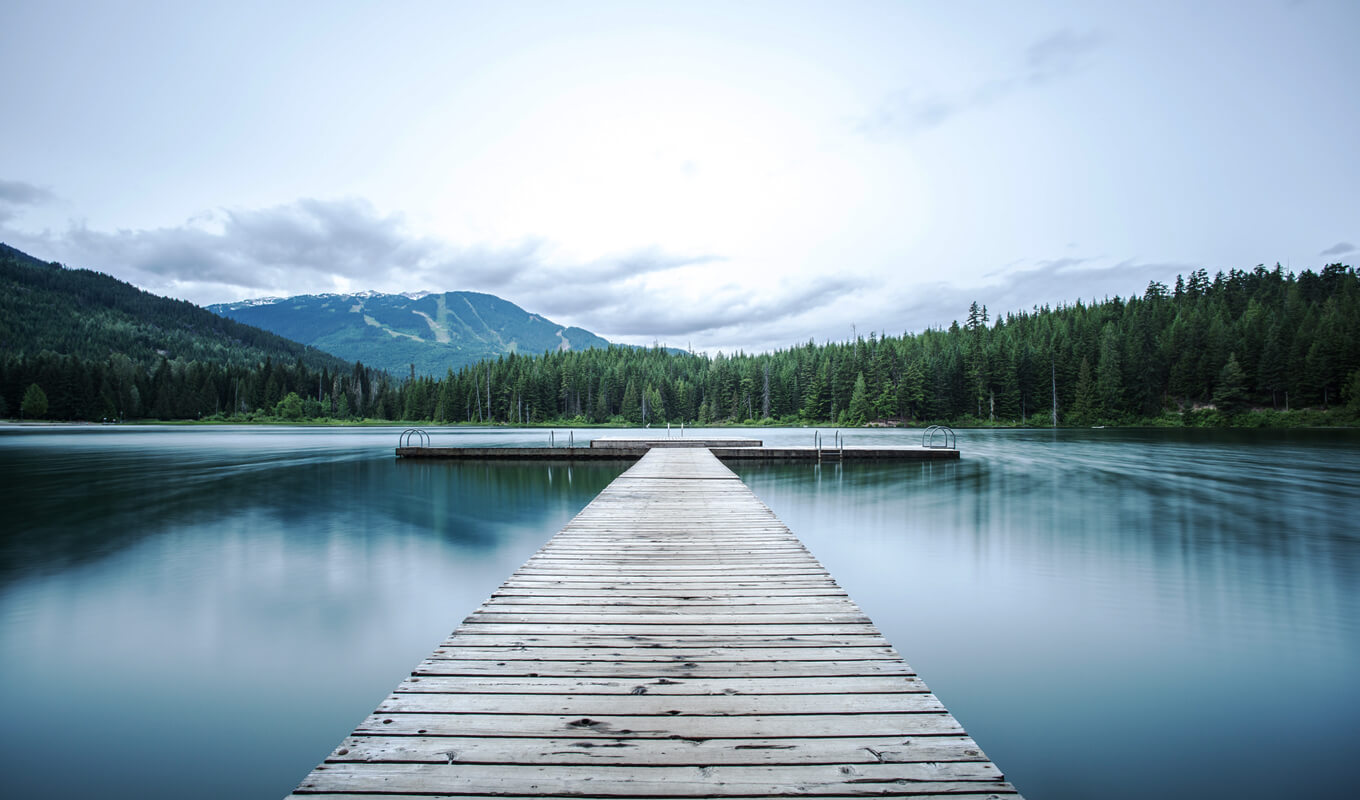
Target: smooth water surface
<point>1110,613</point>
<point>1116,614</point>
<point>206,612</point>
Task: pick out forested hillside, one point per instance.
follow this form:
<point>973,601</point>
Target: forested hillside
<point>80,344</point>
<point>1257,347</point>
<point>1201,352</point>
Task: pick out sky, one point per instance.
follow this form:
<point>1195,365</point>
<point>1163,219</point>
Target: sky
<point>721,176</point>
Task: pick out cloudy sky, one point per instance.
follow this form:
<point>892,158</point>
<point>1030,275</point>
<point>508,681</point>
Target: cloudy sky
<point>723,175</point>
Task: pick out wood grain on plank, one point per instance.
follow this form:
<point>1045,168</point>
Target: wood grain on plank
<point>657,752</point>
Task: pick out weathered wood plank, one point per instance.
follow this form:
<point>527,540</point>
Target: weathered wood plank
<point>569,639</point>
<point>682,592</point>
<point>657,655</point>
<point>662,726</point>
<point>654,670</point>
<point>941,777</point>
<point>657,752</point>
<point>684,585</point>
<point>986,791</point>
<point>667,570</point>
<point>735,705</point>
<point>649,629</point>
<point>689,686</point>
<point>641,618</point>
<point>999,791</point>
<point>597,604</point>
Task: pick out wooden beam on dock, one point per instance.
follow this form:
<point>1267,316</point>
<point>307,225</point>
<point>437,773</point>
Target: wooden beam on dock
<point>674,640</point>
<point>628,452</point>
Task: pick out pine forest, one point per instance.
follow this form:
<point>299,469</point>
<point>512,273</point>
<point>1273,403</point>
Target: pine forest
<point>1245,347</point>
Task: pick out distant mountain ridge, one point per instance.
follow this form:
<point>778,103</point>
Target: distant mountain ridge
<point>433,331</point>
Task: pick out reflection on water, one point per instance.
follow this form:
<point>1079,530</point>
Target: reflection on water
<point>1111,613</point>
<point>1115,613</point>
<point>213,611</point>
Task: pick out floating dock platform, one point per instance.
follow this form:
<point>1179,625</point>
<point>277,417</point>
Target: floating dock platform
<point>674,640</point>
<point>726,449</point>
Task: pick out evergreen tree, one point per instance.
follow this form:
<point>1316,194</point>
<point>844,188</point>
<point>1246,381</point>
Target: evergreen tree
<point>1230,394</point>
<point>34,405</point>
<point>1110,372</point>
<point>1086,403</point>
<point>631,409</point>
<point>1350,392</point>
<point>860,410</point>
<point>911,390</point>
<point>1271,372</point>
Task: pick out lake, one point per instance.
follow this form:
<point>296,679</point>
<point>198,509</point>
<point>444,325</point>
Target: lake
<point>1113,613</point>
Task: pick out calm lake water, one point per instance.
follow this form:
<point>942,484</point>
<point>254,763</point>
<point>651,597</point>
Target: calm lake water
<point>1110,613</point>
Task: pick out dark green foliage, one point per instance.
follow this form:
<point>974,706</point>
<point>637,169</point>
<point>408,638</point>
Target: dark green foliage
<point>34,405</point>
<point>1146,358</point>
<point>1246,341</point>
<point>102,349</point>
<point>1351,392</point>
<point>1230,395</point>
<point>860,409</point>
<point>78,312</point>
<point>290,407</point>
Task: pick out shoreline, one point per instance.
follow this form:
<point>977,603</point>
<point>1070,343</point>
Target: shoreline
<point>1293,420</point>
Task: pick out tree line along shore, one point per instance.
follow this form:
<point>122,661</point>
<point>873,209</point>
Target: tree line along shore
<point>1261,347</point>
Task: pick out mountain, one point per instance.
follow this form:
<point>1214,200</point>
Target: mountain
<point>434,332</point>
<point>47,308</point>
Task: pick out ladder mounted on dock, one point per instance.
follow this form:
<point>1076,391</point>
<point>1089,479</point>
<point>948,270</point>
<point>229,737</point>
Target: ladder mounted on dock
<point>941,436</point>
<point>413,437</point>
<point>838,443</point>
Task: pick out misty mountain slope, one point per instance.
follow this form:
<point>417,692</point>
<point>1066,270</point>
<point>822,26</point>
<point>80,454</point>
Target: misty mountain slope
<point>435,332</point>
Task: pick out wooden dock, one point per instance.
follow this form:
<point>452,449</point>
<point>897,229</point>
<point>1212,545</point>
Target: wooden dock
<point>730,449</point>
<point>674,640</point>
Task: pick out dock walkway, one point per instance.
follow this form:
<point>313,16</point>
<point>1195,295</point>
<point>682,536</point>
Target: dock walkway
<point>674,640</point>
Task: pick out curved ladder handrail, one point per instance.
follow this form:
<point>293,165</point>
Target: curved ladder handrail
<point>948,440</point>
<point>405,440</point>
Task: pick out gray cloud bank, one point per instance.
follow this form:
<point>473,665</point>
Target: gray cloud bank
<point>909,111</point>
<point>1047,282</point>
<point>1339,249</point>
<point>15,195</point>
<point>314,246</point>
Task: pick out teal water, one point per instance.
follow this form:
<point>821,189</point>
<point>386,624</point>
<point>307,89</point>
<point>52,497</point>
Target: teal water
<point>1110,613</point>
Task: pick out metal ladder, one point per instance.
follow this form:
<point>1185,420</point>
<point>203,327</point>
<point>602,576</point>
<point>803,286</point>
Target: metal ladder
<point>411,436</point>
<point>838,443</point>
<point>947,439</point>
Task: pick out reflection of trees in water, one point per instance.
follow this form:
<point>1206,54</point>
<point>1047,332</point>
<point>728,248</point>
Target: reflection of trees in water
<point>69,509</point>
<point>469,501</point>
<point>1243,512</point>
